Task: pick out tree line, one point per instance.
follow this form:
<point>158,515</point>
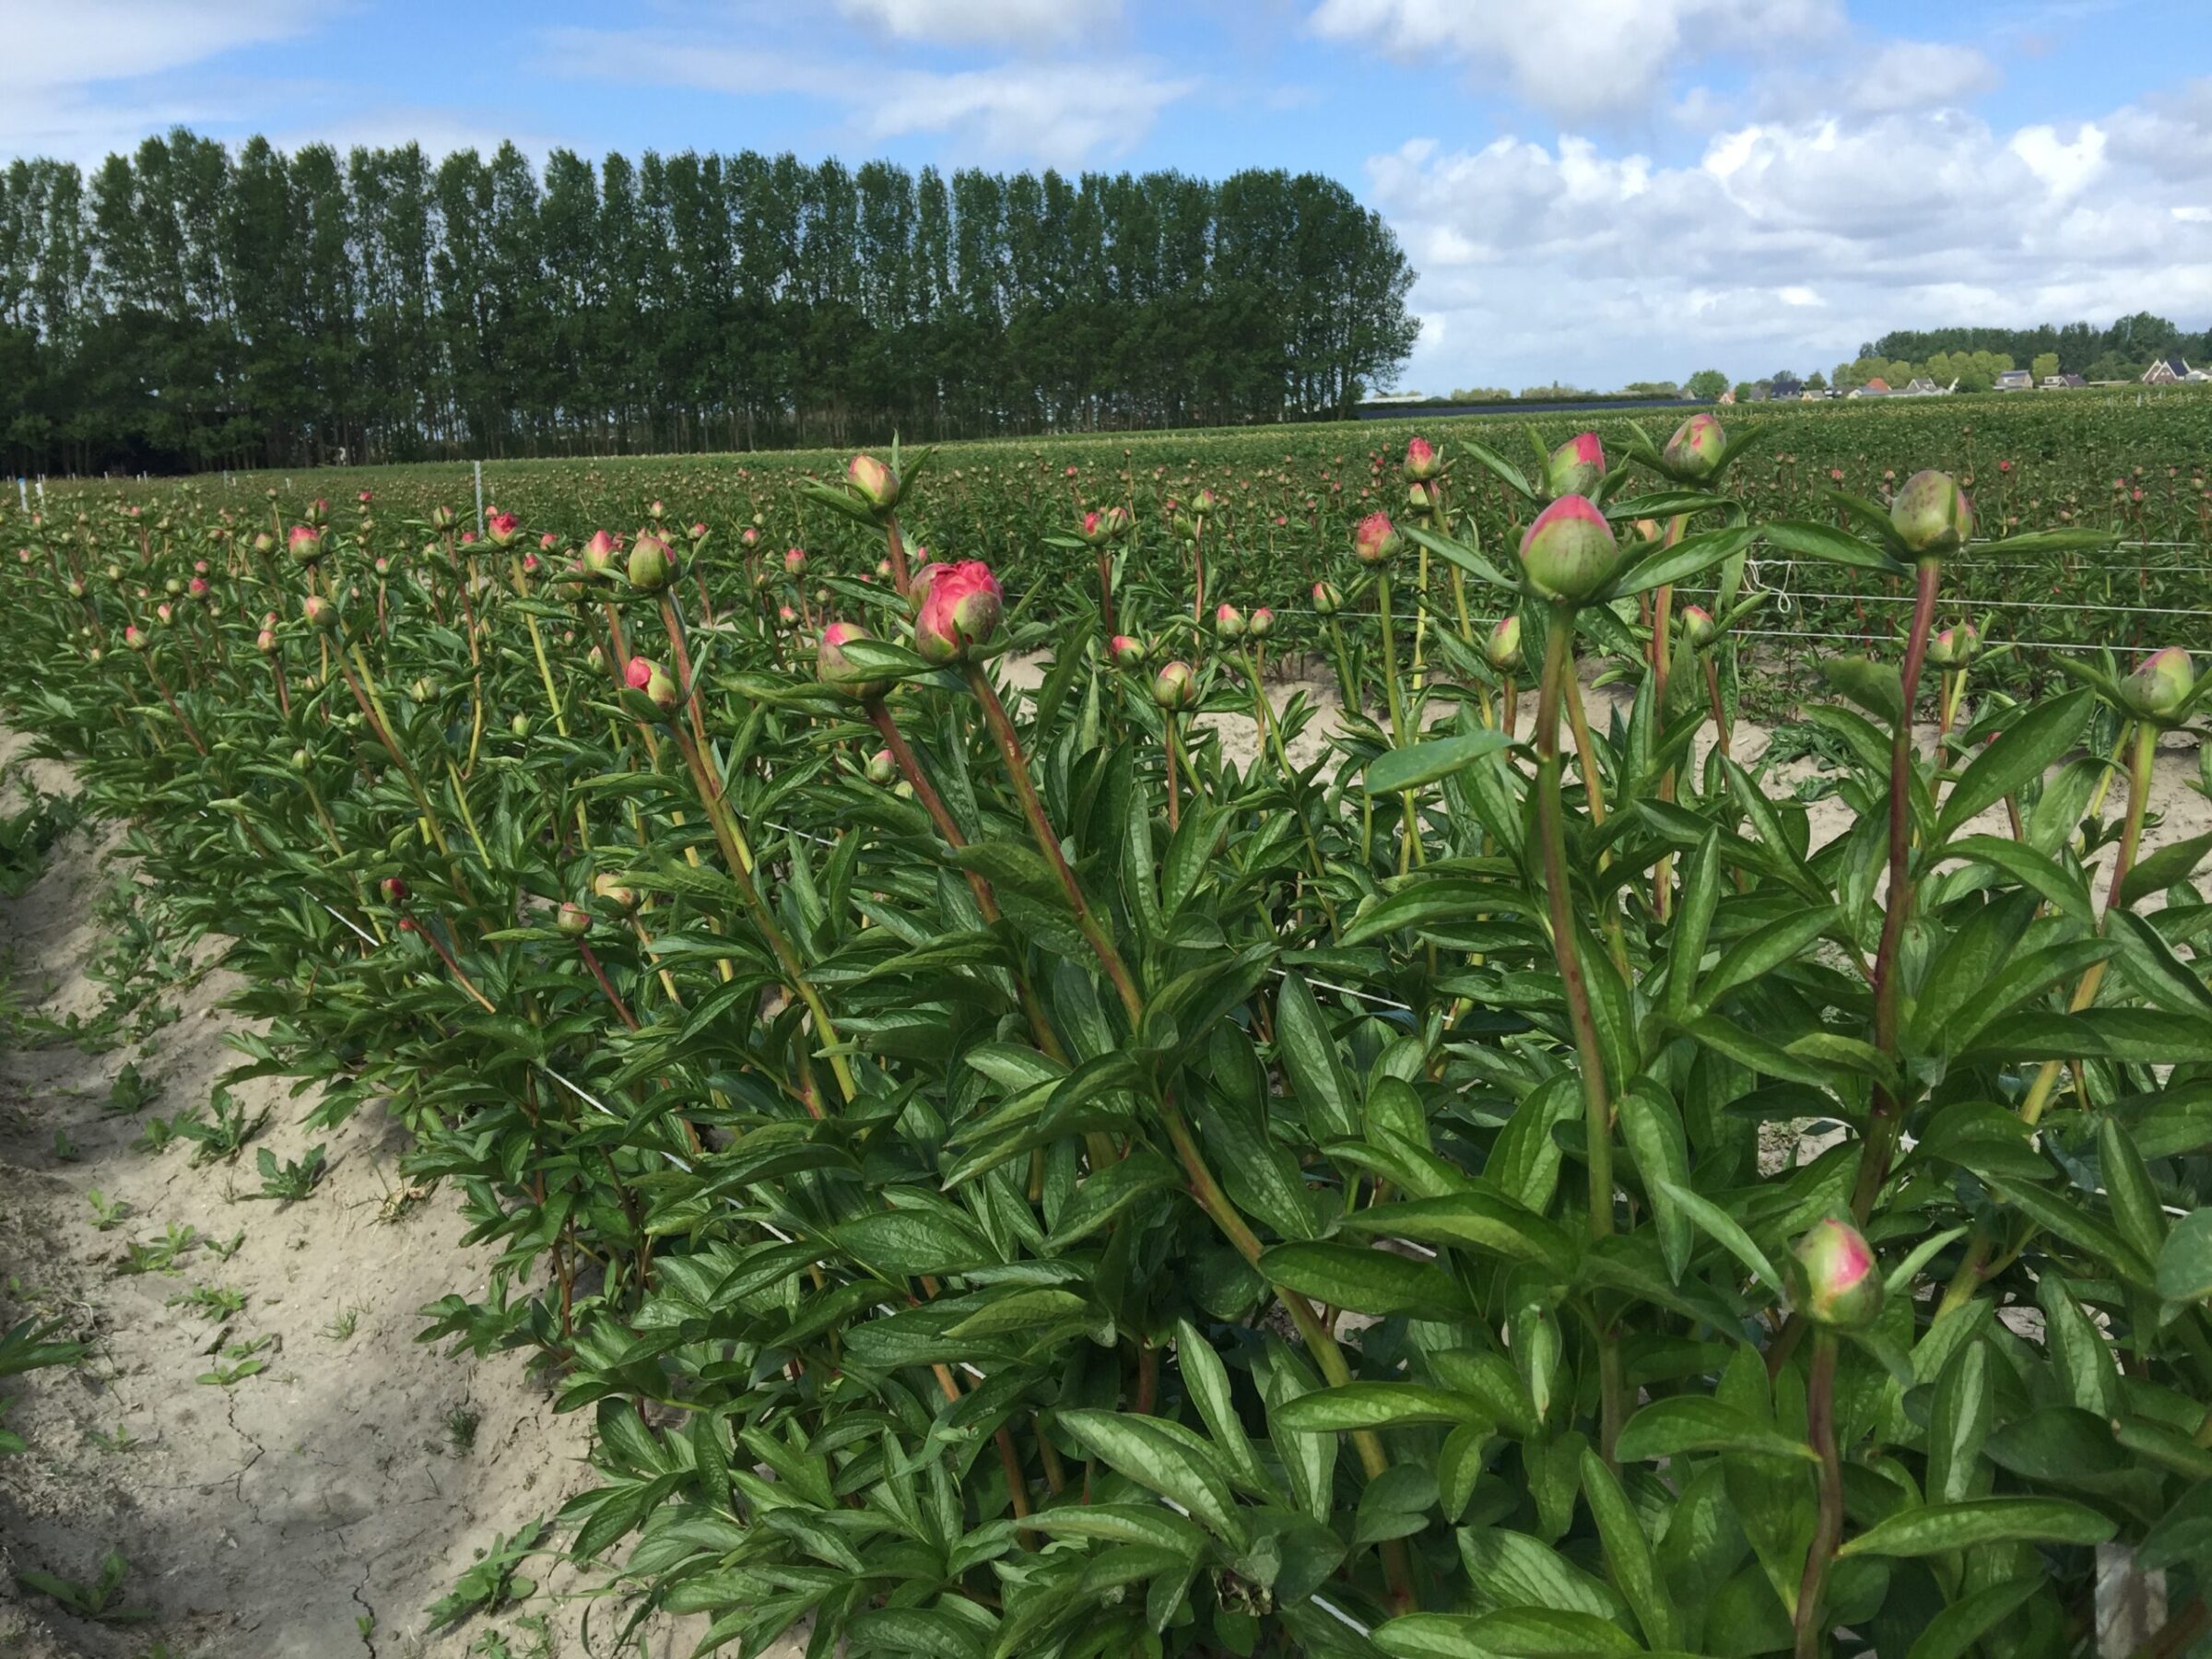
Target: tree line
<point>189,307</point>
<point>2120,352</point>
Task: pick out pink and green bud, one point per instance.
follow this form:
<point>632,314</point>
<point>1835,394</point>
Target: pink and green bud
<point>925,577</point>
<point>656,510</point>
<point>318,513</point>
<point>651,564</point>
<point>1698,627</point>
<point>135,637</point>
<point>833,664</point>
<point>1955,647</point>
<point>876,483</point>
<point>1114,522</point>
<point>1261,623</point>
<point>1228,622</point>
<point>961,614</point>
<point>1502,649</point>
<point>265,641</point>
<point>1569,553</point>
<point>444,518</point>
<point>1126,653</point>
<point>1837,1283</point>
<point>794,561</point>
<point>321,614</point>
<point>304,544</point>
<point>395,891</point>
<point>572,920</point>
<point>1375,540</point>
<point>1203,504</point>
<point>503,528</point>
<point>652,681</point>
<point>1576,467</point>
<point>882,769</point>
<point>1175,687</point>
<point>1930,514</point>
<point>1696,451</point>
<point>2160,684</point>
<point>613,895</point>
<point>1092,531</point>
<point>1328,599</point>
<point>601,554</point>
<point>1422,463</point>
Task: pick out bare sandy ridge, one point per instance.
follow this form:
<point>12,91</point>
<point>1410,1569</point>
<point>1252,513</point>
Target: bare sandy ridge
<point>261,1521</point>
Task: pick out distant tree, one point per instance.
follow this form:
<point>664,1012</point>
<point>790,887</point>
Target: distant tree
<point>1706,384</point>
<point>1816,381</point>
<point>1973,379</point>
<point>1482,395</point>
<point>2111,366</point>
<point>1652,389</point>
<point>2045,366</point>
<point>1784,385</point>
<point>1742,390</point>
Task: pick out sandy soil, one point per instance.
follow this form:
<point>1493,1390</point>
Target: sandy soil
<point>319,1508</point>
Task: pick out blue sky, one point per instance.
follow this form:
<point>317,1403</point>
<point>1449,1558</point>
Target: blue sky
<point>1593,190</point>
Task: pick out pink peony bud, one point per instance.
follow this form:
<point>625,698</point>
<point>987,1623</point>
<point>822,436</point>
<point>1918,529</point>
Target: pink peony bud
<point>1422,461</point>
<point>1576,467</point>
<point>1698,627</point>
<point>1834,1276</point>
<point>1955,647</point>
<point>572,920</point>
<point>1569,553</point>
<point>651,565</point>
<point>2161,684</point>
<point>698,533</point>
<point>1375,540</point>
<point>502,527</point>
<point>135,637</point>
<point>925,577</point>
<point>874,483</point>
<point>1695,451</point>
<point>548,543</point>
<point>599,554</point>
<point>1203,504</point>
<point>748,537</point>
<point>1126,653</point>
<point>1228,622</point>
<point>961,612</point>
<point>1092,531</point>
<point>321,613</point>
<point>794,561</point>
<point>318,513</point>
<point>1262,623</point>
<point>613,894</point>
<point>265,643</point>
<point>442,518</point>
<point>881,768</point>
<point>1931,513</point>
<point>304,544</point>
<point>638,674</point>
<point>395,891</point>
<point>657,512</point>
<point>1502,649</point>
<point>1114,524</point>
<point>834,667</point>
<point>1327,599</point>
<point>1175,687</point>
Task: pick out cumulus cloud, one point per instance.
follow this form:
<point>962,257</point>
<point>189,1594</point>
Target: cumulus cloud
<point>1795,240</point>
<point>1911,74</point>
<point>1578,60</point>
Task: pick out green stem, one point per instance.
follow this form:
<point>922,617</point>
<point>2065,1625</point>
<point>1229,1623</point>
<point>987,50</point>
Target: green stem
<point>1597,1108</point>
<point>1828,1528</point>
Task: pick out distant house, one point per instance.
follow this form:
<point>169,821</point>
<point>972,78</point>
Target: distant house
<point>1877,387</point>
<point>2061,383</point>
<point>2016,379</point>
<point>2174,370</point>
<point>1920,385</point>
<point>1727,397</point>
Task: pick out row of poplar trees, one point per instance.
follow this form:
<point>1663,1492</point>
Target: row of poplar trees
<point>189,307</point>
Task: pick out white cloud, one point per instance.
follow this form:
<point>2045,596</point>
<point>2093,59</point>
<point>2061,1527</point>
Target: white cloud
<point>93,77</point>
<point>1791,242</point>
<point>1015,25</point>
<point>1913,75</point>
<point>1054,112</point>
<point>1578,60</point>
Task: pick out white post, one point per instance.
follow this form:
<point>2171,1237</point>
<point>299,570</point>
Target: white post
<point>41,495</point>
<point>22,495</point>
<point>479,498</point>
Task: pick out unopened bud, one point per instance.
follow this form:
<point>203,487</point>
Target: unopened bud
<point>1175,687</point>
<point>1375,540</point>
<point>1698,627</point>
<point>651,565</point>
<point>834,667</point>
<point>1422,461</point>
<point>961,612</point>
<point>1568,552</point>
<point>874,483</point>
<point>1837,1284</point>
<point>1695,452</point>
<point>1502,649</point>
<point>1127,652</point>
<point>1576,467</point>
<point>1228,622</point>
<point>2161,684</point>
<point>881,769</point>
<point>1931,513</point>
<point>1261,623</point>
<point>1327,599</point>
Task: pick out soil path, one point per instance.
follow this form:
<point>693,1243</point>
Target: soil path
<point>317,1508</point>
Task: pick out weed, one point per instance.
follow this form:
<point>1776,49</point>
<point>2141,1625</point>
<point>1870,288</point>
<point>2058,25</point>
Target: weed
<point>343,1325</point>
<point>118,1440</point>
<point>292,1181</point>
<point>161,1255</point>
<point>226,1134</point>
<point>107,1213</point>
<point>155,1135</point>
<point>461,1425</point>
<point>64,1149</point>
<point>129,1093</point>
<point>229,1247</point>
<point>244,1360</point>
<point>101,1601</point>
<point>493,1582</point>
<point>210,1302</point>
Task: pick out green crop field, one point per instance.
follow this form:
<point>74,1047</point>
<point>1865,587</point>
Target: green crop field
<point>1217,1042</point>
